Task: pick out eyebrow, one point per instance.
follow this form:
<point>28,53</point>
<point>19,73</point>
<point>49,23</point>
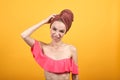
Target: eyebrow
<point>59,30</point>
<point>62,30</point>
<point>54,27</point>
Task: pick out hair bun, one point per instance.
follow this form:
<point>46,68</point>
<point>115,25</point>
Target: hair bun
<point>67,14</point>
<point>67,18</point>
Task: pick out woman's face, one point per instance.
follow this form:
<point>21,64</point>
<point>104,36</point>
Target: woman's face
<point>57,30</point>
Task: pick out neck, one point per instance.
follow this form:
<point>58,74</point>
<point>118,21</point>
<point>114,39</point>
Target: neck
<point>56,44</point>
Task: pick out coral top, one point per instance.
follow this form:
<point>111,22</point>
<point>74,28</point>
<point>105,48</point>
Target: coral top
<point>51,65</point>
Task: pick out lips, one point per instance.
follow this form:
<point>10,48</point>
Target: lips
<point>56,37</point>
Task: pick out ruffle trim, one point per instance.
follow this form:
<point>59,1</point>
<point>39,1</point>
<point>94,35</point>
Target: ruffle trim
<point>51,65</point>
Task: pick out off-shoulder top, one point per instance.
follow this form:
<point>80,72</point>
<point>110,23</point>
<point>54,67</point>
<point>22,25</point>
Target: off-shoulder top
<point>51,65</point>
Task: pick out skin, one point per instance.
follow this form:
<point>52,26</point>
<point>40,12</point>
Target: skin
<point>56,49</point>
<point>53,76</point>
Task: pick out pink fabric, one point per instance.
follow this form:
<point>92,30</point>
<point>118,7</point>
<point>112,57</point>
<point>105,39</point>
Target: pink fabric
<point>51,65</point>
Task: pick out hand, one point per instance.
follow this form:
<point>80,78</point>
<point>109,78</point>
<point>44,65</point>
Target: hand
<point>48,20</point>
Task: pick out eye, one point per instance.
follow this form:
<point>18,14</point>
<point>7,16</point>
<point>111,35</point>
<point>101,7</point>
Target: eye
<point>54,29</point>
<point>62,31</point>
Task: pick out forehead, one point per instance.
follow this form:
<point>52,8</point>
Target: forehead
<point>58,25</point>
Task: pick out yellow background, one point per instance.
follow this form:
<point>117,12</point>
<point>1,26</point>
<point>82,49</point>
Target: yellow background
<point>94,32</point>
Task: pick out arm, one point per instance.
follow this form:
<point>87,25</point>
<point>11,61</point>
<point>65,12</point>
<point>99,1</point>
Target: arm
<point>75,77</point>
<point>75,59</point>
<point>26,34</point>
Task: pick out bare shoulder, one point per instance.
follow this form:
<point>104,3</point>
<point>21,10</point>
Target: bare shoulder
<point>74,54</point>
<point>72,48</point>
<point>42,43</point>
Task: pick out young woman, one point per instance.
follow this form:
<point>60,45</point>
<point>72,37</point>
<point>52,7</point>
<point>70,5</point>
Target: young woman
<point>56,58</point>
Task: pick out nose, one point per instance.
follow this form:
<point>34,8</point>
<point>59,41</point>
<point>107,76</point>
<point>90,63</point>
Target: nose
<point>57,34</point>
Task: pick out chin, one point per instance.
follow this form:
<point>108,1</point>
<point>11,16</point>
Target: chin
<point>56,40</point>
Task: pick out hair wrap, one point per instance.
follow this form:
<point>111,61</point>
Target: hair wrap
<point>66,16</point>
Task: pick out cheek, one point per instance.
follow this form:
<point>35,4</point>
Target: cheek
<point>62,35</point>
<point>51,33</point>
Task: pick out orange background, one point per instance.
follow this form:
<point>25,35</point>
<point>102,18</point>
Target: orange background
<point>94,32</point>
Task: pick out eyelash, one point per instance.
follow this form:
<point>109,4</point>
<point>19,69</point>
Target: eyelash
<point>62,31</point>
<point>56,29</point>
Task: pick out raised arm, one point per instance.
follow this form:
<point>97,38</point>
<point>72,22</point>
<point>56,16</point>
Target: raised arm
<point>26,34</point>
